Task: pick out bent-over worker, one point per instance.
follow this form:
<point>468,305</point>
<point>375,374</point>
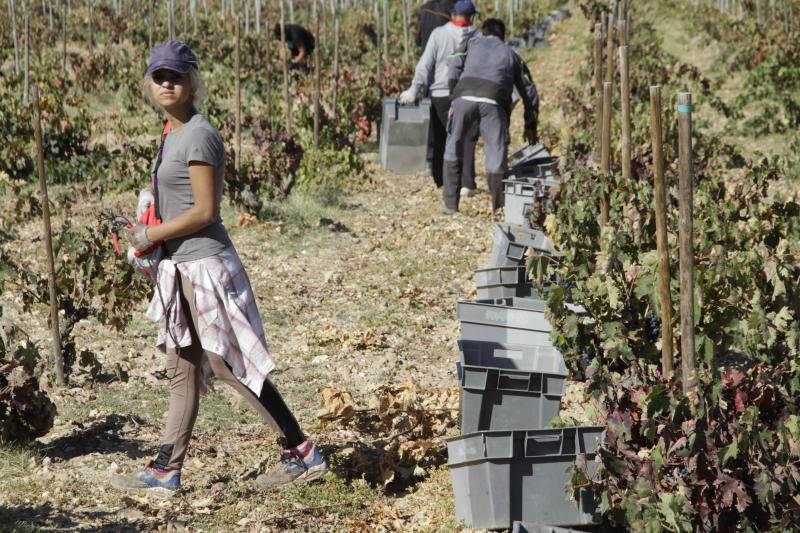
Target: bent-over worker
<point>299,41</point>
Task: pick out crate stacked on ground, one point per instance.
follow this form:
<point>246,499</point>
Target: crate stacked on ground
<point>507,466</point>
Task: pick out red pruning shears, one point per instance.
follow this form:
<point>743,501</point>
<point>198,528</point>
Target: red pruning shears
<point>112,224</point>
<point>117,222</point>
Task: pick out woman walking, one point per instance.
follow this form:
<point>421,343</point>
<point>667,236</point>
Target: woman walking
<point>205,308</point>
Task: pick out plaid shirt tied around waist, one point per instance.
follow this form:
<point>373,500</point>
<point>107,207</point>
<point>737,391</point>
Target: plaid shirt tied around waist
<point>228,321</point>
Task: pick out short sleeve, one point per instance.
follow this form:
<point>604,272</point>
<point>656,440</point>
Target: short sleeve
<point>205,147</point>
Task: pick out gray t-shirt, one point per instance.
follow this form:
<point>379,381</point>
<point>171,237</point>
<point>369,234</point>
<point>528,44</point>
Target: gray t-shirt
<point>197,141</point>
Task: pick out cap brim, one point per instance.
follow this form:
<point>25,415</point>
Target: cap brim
<point>181,67</point>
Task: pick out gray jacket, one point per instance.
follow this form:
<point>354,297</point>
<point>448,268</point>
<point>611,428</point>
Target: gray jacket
<point>486,67</point>
<point>431,71</point>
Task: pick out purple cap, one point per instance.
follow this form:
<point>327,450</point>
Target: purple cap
<point>172,55</point>
<point>464,7</point>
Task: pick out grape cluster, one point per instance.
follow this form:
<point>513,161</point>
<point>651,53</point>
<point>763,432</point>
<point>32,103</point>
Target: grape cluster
<point>652,327</point>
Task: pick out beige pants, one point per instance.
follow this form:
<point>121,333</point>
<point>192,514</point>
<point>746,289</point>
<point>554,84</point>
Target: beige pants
<point>185,368</point>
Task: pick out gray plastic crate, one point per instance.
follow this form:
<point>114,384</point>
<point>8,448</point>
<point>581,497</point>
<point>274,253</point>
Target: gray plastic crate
<point>527,527</point>
<point>503,282</point>
<point>532,152</point>
<point>404,135</point>
<point>513,321</point>
<point>510,242</point>
<point>522,197</point>
<point>507,386</point>
<point>536,168</point>
<point>500,477</point>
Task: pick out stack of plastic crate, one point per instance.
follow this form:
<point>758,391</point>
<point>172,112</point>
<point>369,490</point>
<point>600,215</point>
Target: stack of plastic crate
<point>507,466</point>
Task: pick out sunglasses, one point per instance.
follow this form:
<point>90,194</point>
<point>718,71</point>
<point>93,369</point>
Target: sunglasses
<point>160,76</point>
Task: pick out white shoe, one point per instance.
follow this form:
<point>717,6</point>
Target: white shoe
<point>467,192</point>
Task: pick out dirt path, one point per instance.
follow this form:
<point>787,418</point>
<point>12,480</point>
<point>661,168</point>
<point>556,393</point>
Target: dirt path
<point>355,292</point>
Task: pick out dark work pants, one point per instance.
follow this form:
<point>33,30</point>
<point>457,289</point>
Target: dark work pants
<point>492,121</point>
<point>440,107</point>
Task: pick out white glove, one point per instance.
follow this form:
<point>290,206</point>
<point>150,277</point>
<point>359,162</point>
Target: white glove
<point>147,265</point>
<point>146,199</point>
<point>407,97</point>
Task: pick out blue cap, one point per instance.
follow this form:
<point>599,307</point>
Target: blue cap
<point>172,55</point>
<point>464,7</point>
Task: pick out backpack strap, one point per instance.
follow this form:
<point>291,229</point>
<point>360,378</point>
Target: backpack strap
<point>158,164</point>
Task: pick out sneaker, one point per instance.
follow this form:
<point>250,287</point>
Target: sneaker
<point>469,193</point>
<point>294,469</point>
<point>447,211</point>
<point>150,478</point>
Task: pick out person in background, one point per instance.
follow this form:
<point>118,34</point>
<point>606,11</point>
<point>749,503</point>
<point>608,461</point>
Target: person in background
<point>482,74</point>
<point>205,308</point>
<point>299,41</point>
<point>431,75</point>
<point>432,15</point>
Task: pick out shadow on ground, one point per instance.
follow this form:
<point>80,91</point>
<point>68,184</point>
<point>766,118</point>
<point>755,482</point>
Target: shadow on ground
<point>103,435</point>
<point>46,518</point>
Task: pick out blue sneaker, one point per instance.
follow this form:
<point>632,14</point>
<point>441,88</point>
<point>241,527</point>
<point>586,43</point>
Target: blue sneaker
<point>150,478</point>
<point>294,469</point>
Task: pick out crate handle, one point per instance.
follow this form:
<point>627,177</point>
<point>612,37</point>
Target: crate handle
<point>544,440</point>
<point>472,371</point>
<point>517,381</point>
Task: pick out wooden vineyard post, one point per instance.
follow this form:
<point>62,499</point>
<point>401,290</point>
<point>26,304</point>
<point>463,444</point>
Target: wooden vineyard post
<point>91,26</point>
<point>25,87</point>
<point>622,32</point>
<point>64,15</point>
<point>269,71</point>
<point>237,66</point>
<point>626,113</point>
<point>48,242</point>
<point>317,91</point>
<point>386,32</point>
<point>405,32</point>
<point>150,23</point>
<point>598,80</point>
<point>258,17</point>
<point>286,102</point>
<point>605,151</point>
<point>610,49</point>
<point>378,66</point>
<point>12,8</point>
<point>685,227</point>
<point>335,80</point>
<point>510,9</point>
<point>627,27</point>
<point>659,191</point>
